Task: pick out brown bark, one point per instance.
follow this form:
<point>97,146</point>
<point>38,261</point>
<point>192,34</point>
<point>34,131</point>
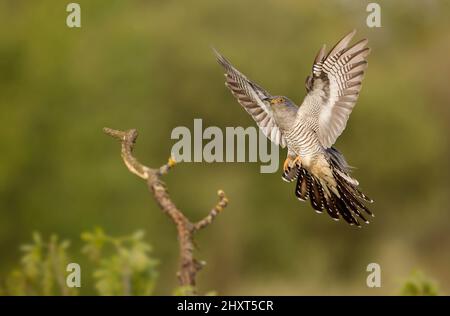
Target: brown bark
<point>186,229</point>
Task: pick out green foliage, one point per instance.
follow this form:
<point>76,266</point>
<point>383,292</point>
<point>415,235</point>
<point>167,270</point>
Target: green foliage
<point>42,269</point>
<point>122,266</point>
<point>125,268</point>
<point>189,290</point>
<point>419,285</point>
<point>183,290</point>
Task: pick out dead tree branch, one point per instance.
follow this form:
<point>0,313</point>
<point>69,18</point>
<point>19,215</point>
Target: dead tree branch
<point>189,266</point>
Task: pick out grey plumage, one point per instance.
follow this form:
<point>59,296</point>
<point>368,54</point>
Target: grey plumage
<point>251,96</point>
<point>309,131</point>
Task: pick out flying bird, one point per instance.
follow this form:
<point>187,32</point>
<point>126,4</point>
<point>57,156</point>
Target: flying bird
<point>309,131</point>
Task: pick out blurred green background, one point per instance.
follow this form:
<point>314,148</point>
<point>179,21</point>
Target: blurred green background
<point>149,65</point>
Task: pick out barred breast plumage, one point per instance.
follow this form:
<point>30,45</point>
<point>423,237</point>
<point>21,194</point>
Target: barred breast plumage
<point>302,136</point>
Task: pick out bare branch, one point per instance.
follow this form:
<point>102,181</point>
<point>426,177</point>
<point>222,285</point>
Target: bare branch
<point>219,207</point>
<point>189,266</point>
<point>128,139</point>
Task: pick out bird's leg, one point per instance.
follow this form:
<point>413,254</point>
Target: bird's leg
<point>290,162</point>
<point>287,163</point>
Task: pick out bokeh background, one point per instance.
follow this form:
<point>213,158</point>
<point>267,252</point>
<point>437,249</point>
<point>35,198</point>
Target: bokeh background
<point>149,65</point>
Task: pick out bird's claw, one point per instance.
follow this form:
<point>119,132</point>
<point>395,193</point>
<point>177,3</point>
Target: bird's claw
<point>291,162</point>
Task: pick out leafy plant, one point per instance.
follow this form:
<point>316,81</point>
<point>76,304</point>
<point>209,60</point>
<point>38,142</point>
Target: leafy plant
<point>42,269</point>
<point>127,269</point>
<point>122,266</point>
<point>419,285</point>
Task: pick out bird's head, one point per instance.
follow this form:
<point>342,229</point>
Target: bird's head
<point>279,102</point>
<point>283,110</point>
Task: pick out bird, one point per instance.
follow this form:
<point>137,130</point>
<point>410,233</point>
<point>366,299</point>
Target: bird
<point>309,131</point>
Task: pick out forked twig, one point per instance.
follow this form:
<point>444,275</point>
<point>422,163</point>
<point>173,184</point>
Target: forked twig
<point>189,266</point>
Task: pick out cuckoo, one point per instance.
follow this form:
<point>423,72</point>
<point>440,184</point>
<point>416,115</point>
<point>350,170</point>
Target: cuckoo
<point>310,130</point>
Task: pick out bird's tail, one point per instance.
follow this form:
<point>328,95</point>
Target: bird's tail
<point>342,199</point>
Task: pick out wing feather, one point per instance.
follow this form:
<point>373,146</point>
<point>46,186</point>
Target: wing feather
<point>251,96</point>
<point>338,75</point>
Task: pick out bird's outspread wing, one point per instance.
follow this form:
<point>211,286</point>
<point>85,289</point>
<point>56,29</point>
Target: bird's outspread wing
<point>251,96</point>
<point>336,78</point>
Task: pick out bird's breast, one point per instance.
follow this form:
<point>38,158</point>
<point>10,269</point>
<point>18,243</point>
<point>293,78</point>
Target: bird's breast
<point>303,141</point>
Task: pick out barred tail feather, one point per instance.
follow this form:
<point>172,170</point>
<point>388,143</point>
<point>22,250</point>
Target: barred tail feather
<point>291,173</point>
<point>316,195</point>
<point>345,212</point>
<point>351,205</point>
<point>303,185</point>
<point>331,207</point>
<point>352,194</point>
<point>346,201</point>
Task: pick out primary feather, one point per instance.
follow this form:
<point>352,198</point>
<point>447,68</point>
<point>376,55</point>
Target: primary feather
<point>251,96</point>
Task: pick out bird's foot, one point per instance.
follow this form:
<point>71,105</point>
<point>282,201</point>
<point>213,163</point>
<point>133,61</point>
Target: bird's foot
<point>291,162</point>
